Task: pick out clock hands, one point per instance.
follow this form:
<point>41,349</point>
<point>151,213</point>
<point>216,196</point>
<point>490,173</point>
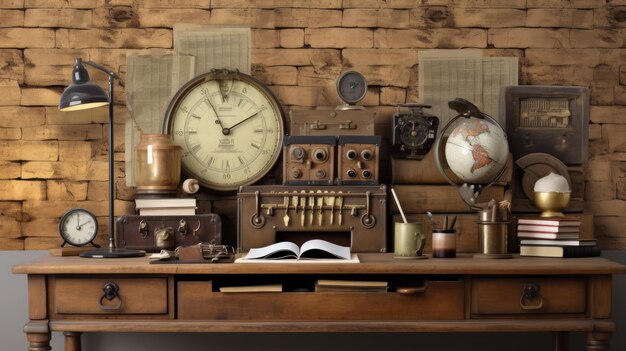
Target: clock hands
<point>227,131</point>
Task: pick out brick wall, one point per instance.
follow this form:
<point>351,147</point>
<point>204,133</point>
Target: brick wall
<point>50,161</point>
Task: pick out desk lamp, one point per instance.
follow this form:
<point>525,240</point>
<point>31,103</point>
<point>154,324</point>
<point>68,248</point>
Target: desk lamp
<point>83,94</point>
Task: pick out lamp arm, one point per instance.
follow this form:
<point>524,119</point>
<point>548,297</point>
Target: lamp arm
<point>102,68</point>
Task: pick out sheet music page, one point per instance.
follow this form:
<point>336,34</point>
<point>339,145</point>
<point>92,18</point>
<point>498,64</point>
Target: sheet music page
<point>214,46</point>
<point>446,74</point>
<point>152,78</point>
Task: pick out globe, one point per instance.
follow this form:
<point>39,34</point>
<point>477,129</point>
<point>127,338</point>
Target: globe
<point>476,151</point>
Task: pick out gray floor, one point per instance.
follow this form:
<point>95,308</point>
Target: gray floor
<point>13,314</point>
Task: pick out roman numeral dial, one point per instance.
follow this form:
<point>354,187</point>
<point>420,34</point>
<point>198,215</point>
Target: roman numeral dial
<point>230,127</point>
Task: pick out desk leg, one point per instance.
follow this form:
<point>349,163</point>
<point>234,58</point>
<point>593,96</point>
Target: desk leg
<point>598,341</point>
<point>38,335</point>
<point>560,341</point>
<point>72,341</point>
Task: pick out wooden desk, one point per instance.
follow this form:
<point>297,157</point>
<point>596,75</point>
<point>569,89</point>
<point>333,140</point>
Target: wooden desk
<point>68,294</point>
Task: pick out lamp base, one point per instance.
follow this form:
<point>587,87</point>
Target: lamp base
<point>112,253</point>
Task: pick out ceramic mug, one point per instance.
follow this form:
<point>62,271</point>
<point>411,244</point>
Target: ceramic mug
<point>408,240</point>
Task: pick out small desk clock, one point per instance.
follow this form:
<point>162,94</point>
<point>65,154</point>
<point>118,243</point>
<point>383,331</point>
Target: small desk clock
<point>351,88</point>
<point>78,227</point>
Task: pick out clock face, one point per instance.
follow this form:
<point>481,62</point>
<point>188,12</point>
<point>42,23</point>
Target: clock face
<point>231,129</point>
<point>351,87</point>
<point>78,227</point>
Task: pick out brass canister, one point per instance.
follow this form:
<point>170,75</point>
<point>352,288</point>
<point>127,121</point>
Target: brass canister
<point>157,164</point>
<point>492,237</point>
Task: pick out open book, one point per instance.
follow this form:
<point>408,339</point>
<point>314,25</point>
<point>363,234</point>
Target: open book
<point>311,250</point>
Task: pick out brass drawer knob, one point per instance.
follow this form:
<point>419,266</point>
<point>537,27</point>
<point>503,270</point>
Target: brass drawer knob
<point>531,293</point>
<point>111,291</point>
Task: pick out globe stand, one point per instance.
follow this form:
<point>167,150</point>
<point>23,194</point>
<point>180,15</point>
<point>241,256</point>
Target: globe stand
<point>468,192</point>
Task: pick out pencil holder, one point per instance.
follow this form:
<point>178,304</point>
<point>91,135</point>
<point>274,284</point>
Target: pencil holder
<point>492,238</point>
<point>444,243</point>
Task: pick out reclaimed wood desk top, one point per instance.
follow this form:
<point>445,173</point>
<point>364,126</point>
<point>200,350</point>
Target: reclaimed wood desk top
<point>371,263</point>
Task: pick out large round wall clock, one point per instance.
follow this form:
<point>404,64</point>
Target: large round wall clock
<point>230,127</point>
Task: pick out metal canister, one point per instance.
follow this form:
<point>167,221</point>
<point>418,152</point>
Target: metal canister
<point>492,237</point>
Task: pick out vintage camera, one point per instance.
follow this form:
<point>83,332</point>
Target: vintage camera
<point>358,157</point>
<point>309,160</point>
<point>414,131</point>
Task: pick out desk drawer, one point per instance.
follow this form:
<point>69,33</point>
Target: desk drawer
<point>441,300</point>
<point>528,295</point>
<point>146,296</point>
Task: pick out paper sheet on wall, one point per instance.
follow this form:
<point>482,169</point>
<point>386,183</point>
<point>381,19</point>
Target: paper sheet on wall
<point>214,47</point>
<point>152,78</point>
<point>446,74</point>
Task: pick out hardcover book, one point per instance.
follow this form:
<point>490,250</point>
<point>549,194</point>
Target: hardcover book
<point>547,229</point>
<point>557,242</point>
<point>560,251</point>
<point>557,222</point>
<point>538,235</point>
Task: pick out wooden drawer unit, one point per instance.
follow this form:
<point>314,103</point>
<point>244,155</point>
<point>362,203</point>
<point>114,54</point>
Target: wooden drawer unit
<point>528,295</point>
<point>443,300</point>
<point>109,296</point>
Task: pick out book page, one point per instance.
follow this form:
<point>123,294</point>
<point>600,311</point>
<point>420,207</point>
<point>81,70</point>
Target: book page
<point>354,258</point>
<point>317,248</point>
<point>281,250</point>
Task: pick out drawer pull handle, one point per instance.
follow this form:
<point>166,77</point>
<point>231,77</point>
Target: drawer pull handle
<point>531,292</point>
<point>110,292</point>
<point>411,290</point>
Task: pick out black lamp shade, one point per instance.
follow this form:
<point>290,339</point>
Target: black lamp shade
<point>82,93</point>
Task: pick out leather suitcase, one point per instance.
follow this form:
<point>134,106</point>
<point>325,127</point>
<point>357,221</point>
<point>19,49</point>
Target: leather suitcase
<point>154,233</point>
<point>331,122</point>
<point>352,216</point>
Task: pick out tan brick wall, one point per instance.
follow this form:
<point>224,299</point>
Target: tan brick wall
<point>52,161</point>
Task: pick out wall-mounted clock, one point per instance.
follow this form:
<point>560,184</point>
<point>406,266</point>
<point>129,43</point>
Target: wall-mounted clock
<point>230,127</point>
<point>78,227</point>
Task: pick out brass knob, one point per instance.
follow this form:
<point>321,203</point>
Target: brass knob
<point>320,155</point>
<point>367,154</point>
<point>351,154</point>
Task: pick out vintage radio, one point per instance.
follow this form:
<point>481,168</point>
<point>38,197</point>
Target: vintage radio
<point>154,233</point>
<point>331,122</point>
<point>547,119</point>
<point>414,131</point>
<point>309,160</point>
<point>352,216</point>
<point>358,159</point>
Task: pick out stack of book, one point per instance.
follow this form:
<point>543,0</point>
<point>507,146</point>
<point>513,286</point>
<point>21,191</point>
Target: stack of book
<point>166,207</point>
<point>554,237</point>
